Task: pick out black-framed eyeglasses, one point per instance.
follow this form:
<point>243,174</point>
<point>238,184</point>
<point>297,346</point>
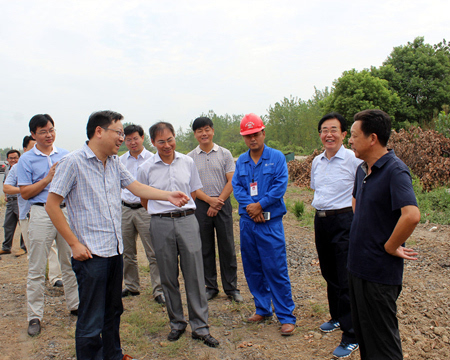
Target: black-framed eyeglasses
<point>119,132</point>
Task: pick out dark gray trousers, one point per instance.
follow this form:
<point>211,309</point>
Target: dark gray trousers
<point>222,223</point>
<point>10,224</point>
<point>173,237</point>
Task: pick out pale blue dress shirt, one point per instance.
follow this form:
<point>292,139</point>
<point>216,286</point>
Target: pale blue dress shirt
<point>332,180</point>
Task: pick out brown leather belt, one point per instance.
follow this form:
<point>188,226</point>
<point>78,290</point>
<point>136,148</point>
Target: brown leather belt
<point>325,213</point>
<point>175,214</point>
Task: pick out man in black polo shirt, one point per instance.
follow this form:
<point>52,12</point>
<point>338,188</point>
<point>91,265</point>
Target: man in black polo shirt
<point>386,214</point>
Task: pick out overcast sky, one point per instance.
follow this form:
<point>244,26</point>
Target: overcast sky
<point>174,60</point>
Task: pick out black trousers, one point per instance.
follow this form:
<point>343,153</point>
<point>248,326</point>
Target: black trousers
<point>332,238</point>
<point>374,312</point>
<point>222,223</point>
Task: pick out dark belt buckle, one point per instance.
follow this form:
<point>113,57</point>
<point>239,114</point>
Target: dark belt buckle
<point>173,215</point>
<point>322,213</point>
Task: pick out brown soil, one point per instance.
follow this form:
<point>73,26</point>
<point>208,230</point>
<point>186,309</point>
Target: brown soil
<point>423,309</point>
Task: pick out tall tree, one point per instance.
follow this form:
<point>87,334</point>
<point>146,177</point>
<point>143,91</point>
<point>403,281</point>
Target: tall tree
<point>420,74</point>
<point>359,90</point>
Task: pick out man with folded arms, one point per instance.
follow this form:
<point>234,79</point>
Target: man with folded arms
<point>215,165</point>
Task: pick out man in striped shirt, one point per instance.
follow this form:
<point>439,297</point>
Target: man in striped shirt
<point>90,180</point>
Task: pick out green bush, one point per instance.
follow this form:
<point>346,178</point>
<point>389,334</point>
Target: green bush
<point>298,209</point>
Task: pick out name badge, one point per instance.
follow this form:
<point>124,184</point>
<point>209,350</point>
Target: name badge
<point>254,189</point>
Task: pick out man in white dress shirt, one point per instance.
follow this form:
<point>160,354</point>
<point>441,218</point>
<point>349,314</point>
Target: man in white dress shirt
<point>136,220</point>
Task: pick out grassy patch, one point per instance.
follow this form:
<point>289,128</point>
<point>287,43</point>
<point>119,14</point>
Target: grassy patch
<point>434,205</point>
<point>298,209</point>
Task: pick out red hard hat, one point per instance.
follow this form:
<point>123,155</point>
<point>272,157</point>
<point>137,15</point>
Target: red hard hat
<point>251,124</point>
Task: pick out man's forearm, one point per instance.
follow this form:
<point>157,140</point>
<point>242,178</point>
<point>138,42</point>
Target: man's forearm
<point>148,192</point>
<point>226,192</point>
<point>10,190</point>
<point>29,191</point>
<point>405,226</point>
<point>58,219</point>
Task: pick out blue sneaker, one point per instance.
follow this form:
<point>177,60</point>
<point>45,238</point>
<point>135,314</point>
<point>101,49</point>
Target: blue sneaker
<point>345,350</point>
<point>329,326</point>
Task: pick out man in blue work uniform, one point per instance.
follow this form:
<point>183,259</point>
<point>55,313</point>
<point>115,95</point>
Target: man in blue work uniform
<point>259,184</point>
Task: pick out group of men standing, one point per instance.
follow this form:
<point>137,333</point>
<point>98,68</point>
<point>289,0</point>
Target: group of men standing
<point>91,205</point>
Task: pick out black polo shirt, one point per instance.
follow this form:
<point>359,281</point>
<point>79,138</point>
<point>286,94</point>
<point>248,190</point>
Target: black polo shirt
<point>379,199</point>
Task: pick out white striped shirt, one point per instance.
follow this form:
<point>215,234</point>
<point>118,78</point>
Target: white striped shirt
<point>92,193</point>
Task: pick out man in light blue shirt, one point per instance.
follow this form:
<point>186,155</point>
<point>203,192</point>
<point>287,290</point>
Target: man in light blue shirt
<point>35,171</point>
<point>332,178</point>
<point>90,181</point>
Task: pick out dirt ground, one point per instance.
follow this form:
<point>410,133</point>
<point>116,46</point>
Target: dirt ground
<point>423,309</point>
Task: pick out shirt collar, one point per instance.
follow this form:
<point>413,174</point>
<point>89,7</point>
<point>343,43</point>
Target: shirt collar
<point>265,155</point>
<point>198,150</point>
<point>380,162</point>
<point>141,154</point>
<point>158,158</point>
<point>39,152</point>
<point>340,154</point>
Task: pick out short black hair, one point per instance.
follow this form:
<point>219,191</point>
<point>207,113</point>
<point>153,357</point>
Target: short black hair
<point>334,115</point>
<point>101,118</point>
<point>26,140</point>
<point>158,128</point>
<point>201,122</point>
<point>40,120</point>
<point>375,122</point>
<point>130,129</point>
<point>12,151</point>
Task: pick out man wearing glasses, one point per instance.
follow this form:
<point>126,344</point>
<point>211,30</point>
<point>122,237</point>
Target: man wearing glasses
<point>12,211</point>
<point>34,174</point>
<point>136,220</point>
<point>175,232</point>
<point>332,177</point>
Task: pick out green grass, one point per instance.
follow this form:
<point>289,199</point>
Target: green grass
<point>434,205</point>
<point>298,209</point>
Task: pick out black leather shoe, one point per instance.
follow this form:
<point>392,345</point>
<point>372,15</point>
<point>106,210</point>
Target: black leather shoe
<point>127,292</point>
<point>207,339</point>
<point>58,283</point>
<point>74,312</point>
<point>34,327</point>
<point>211,294</point>
<point>174,334</point>
<point>160,299</point>
<point>236,296</point>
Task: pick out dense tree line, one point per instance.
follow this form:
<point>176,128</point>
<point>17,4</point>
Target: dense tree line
<point>412,85</point>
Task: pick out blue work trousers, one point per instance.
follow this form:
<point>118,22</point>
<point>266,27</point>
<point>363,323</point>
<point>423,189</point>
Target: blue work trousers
<point>100,292</point>
<point>263,250</point>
